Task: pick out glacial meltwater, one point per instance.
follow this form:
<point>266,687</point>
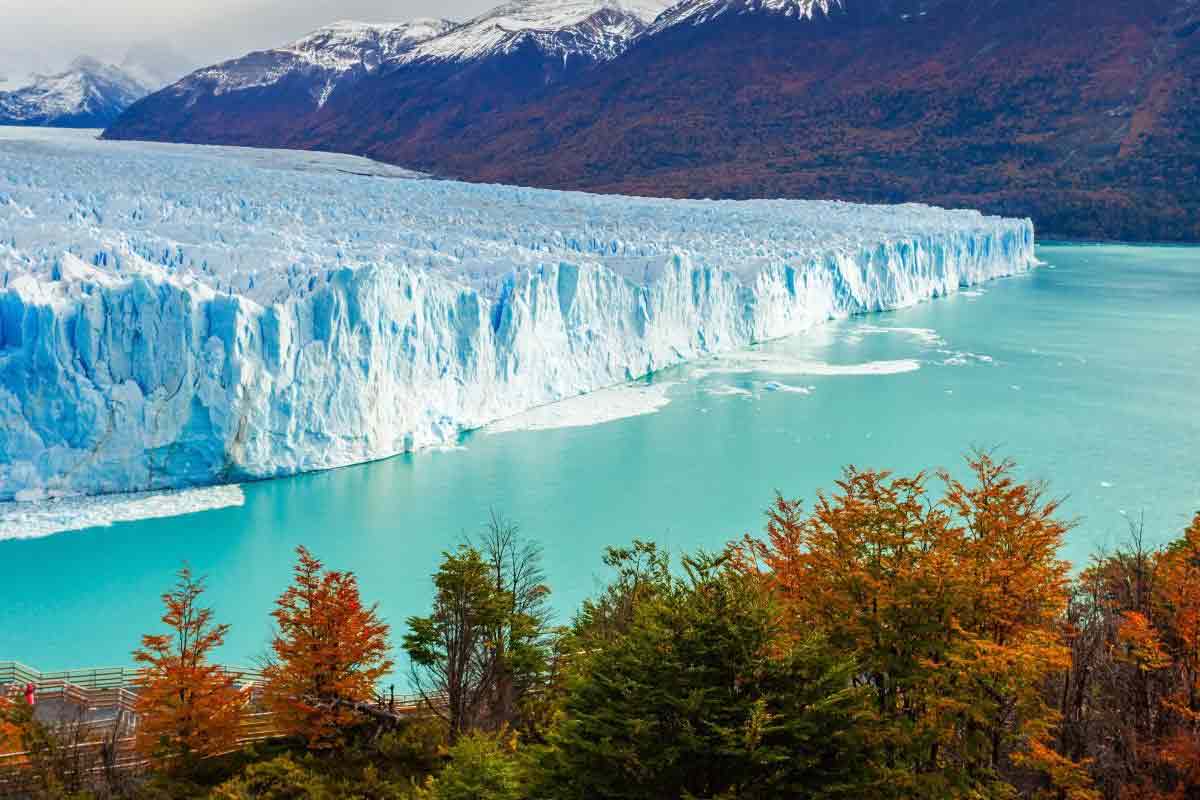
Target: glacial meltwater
<point>1085,371</point>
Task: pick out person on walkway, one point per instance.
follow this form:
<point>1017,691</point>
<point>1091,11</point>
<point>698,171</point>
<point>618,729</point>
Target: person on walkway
<point>30,694</point>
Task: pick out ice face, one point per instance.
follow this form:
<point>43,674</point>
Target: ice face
<point>175,315</point>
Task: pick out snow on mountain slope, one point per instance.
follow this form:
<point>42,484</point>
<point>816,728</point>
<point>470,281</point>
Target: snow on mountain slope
<point>597,29</point>
<point>323,60</point>
<point>697,12</point>
<point>87,94</point>
<point>346,44</point>
<point>170,315</point>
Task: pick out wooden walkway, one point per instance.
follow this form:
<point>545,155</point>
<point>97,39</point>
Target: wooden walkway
<point>101,704</point>
<point>100,691</point>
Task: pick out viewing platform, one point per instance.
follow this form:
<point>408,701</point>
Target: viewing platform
<point>97,707</point>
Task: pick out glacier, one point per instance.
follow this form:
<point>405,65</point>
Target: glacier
<point>180,315</point>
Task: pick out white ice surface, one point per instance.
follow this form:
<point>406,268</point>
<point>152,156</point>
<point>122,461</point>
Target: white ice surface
<point>173,315</point>
<point>595,408</point>
<point>33,520</point>
<point>772,363</point>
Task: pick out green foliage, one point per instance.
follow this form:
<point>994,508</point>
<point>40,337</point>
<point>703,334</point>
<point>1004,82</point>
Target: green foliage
<point>482,766</point>
<point>66,758</point>
<point>701,696</point>
<point>450,648</point>
<point>311,777</point>
<point>642,573</point>
<point>281,778</point>
<point>416,749</point>
<point>486,642</point>
<point>881,647</point>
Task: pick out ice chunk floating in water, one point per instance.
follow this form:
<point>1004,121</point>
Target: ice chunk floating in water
<point>174,315</point>
<point>595,408</point>
<point>31,520</point>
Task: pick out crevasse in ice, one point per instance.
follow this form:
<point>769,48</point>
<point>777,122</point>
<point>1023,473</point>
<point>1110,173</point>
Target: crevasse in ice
<point>174,315</point>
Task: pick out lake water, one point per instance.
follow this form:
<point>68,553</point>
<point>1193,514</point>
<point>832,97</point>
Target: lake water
<point>1086,371</point>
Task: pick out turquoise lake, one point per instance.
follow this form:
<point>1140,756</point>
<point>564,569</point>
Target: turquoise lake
<point>1085,371</point>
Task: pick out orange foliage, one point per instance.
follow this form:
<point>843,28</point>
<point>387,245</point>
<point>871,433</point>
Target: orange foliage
<point>10,732</point>
<point>1015,591</point>
<point>1178,599</point>
<point>1179,588</point>
<point>1139,643</point>
<point>187,707</point>
<point>951,608</point>
<point>870,569</point>
<point>1011,539</point>
<point>329,653</point>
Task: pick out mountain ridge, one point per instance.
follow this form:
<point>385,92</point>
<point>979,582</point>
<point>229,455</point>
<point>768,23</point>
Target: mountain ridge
<point>1074,114</point>
<point>87,94</point>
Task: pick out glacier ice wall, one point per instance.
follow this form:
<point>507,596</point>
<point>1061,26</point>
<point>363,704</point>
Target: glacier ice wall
<point>175,315</point>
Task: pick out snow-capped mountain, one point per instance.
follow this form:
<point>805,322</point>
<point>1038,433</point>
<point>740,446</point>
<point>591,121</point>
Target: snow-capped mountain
<point>411,75</point>
<point>88,94</point>
<point>594,29</point>
<point>1081,115</point>
<point>698,12</point>
<point>314,65</point>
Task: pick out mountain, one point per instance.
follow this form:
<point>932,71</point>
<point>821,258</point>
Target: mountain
<point>562,29</point>
<point>259,97</point>
<point>703,11</point>
<point>437,73</point>
<point>1080,115</point>
<point>89,94</point>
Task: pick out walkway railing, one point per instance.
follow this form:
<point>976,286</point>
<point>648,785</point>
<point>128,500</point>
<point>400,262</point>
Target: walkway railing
<point>93,690</point>
<point>106,699</point>
<point>122,750</point>
<point>97,678</point>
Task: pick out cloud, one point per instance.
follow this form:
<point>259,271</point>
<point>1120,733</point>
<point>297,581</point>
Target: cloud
<point>45,35</point>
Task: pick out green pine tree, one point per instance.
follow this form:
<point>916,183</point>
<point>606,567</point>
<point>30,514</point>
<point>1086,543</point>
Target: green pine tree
<point>702,697</point>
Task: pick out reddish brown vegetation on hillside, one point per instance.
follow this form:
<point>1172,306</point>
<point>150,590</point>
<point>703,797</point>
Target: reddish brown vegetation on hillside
<point>1079,114</point>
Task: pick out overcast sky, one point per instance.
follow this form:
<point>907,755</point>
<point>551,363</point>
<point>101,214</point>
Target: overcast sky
<point>45,35</point>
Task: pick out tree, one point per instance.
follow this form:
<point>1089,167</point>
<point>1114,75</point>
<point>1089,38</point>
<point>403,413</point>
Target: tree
<point>1179,600</point>
<point>64,754</point>
<point>519,641</point>
<point>1129,697</point>
<point>1014,597</point>
<point>951,607</point>
<point>1102,695</point>
<point>704,696</point>
<point>187,707</point>
<point>450,651</point>
<point>487,644</point>
<point>328,655</point>
<point>643,573</point>
<point>872,569</point>
<point>1176,751</point>
<point>481,765</point>
<point>10,728</point>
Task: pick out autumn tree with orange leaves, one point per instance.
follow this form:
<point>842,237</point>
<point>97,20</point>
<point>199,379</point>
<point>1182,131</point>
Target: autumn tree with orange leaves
<point>950,607</point>
<point>10,729</point>
<point>329,653</point>
<point>1135,624</point>
<point>187,706</point>
<point>1179,609</point>
<point>1015,593</point>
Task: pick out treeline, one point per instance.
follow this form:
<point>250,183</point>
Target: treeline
<point>902,637</point>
